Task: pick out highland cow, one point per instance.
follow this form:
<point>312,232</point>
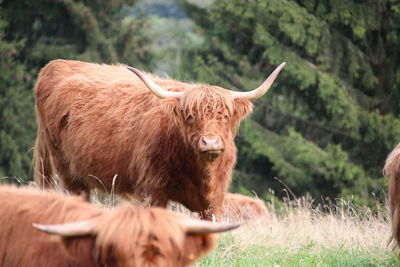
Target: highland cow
<point>72,232</point>
<point>392,170</point>
<point>102,126</point>
<point>237,207</point>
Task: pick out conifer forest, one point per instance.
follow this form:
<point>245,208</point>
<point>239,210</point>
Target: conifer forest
<point>323,130</point>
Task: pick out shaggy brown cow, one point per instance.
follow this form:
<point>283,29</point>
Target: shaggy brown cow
<point>97,122</point>
<point>392,169</point>
<point>240,207</point>
<point>72,232</point>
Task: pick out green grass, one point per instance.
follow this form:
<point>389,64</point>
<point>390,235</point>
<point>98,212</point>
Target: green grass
<point>256,255</point>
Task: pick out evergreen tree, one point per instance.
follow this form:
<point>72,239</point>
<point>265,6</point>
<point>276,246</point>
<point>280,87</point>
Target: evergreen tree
<point>15,108</point>
<point>328,123</point>
<point>35,32</point>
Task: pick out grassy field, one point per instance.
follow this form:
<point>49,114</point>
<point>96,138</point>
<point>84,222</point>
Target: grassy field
<point>300,235</point>
<point>344,236</point>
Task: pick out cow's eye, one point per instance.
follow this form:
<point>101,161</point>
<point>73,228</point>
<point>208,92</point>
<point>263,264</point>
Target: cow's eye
<point>189,118</point>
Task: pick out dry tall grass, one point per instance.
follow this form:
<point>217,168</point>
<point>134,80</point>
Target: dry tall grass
<point>343,226</point>
<point>300,227</point>
<point>302,235</point>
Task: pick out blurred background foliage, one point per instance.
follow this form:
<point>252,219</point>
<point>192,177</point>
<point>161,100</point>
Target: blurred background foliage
<point>35,32</point>
<point>323,130</point>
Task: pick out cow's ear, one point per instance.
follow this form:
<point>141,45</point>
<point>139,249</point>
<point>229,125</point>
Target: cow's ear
<point>170,105</point>
<point>243,107</point>
<point>196,245</point>
<point>172,108</point>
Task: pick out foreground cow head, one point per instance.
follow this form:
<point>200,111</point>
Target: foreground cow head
<point>140,237</point>
<point>208,116</point>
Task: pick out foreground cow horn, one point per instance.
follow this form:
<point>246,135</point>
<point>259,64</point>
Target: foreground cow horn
<point>260,91</point>
<point>68,229</point>
<point>206,227</point>
<point>88,227</point>
<point>154,88</point>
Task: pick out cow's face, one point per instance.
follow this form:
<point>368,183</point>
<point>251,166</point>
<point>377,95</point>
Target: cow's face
<point>157,237</point>
<point>168,248</point>
<point>130,236</point>
<point>208,118</point>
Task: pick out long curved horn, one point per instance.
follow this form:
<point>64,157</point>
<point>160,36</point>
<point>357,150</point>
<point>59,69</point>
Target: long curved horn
<point>154,88</point>
<point>81,228</point>
<point>260,91</point>
<point>206,227</point>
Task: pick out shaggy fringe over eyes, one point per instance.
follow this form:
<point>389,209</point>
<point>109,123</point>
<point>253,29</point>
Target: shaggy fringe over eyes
<point>144,226</point>
<point>201,101</point>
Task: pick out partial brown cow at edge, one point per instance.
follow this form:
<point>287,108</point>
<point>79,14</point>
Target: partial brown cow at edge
<point>392,170</point>
<point>72,232</point>
<point>237,207</point>
<point>161,139</point>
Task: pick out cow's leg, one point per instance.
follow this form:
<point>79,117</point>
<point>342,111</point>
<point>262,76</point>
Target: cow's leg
<point>76,187</point>
<point>71,183</point>
<point>145,198</point>
<point>200,198</point>
<point>43,169</point>
<point>213,212</point>
<point>209,209</point>
<point>208,215</point>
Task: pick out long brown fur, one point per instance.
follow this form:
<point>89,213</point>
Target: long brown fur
<point>241,207</point>
<point>392,170</point>
<point>126,236</point>
<point>97,122</point>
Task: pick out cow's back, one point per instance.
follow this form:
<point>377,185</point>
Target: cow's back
<point>93,120</point>
<point>237,206</point>
<point>67,81</point>
<point>21,244</point>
